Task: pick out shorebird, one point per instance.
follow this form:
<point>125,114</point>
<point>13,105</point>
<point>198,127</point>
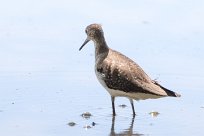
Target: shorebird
<point>119,75</point>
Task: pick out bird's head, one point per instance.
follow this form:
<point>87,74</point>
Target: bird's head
<point>94,32</point>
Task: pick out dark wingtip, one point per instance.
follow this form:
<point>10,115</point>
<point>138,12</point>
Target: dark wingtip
<point>168,92</point>
<point>171,93</point>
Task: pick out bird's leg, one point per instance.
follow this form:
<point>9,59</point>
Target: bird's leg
<point>113,105</point>
<point>132,105</point>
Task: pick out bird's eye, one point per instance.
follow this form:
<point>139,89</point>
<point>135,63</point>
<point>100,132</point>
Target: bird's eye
<point>86,31</point>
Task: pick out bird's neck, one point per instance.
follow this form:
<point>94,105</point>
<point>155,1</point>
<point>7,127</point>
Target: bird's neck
<point>101,49</point>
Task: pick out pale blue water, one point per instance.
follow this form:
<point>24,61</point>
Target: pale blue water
<point>47,83</point>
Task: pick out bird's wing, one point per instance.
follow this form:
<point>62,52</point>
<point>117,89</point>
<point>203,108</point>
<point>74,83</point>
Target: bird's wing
<point>128,66</point>
<point>121,73</point>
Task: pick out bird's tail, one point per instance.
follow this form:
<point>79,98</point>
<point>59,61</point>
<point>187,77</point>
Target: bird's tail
<point>168,92</point>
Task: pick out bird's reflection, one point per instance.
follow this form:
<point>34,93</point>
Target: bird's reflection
<point>125,132</point>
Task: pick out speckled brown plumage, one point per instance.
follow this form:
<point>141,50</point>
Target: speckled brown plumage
<point>119,75</point>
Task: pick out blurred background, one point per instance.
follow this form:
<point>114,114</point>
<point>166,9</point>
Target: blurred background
<point>46,82</point>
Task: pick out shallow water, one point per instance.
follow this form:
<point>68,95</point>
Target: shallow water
<point>46,83</point>
<point>44,103</point>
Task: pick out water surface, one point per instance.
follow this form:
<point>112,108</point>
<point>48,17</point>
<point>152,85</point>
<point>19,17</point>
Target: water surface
<point>47,83</point>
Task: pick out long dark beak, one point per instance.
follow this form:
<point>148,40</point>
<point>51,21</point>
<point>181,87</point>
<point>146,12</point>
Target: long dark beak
<point>85,42</point>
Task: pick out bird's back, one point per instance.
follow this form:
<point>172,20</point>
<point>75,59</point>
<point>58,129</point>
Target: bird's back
<point>121,73</point>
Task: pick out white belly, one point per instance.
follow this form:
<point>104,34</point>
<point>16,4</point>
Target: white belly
<point>120,93</point>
